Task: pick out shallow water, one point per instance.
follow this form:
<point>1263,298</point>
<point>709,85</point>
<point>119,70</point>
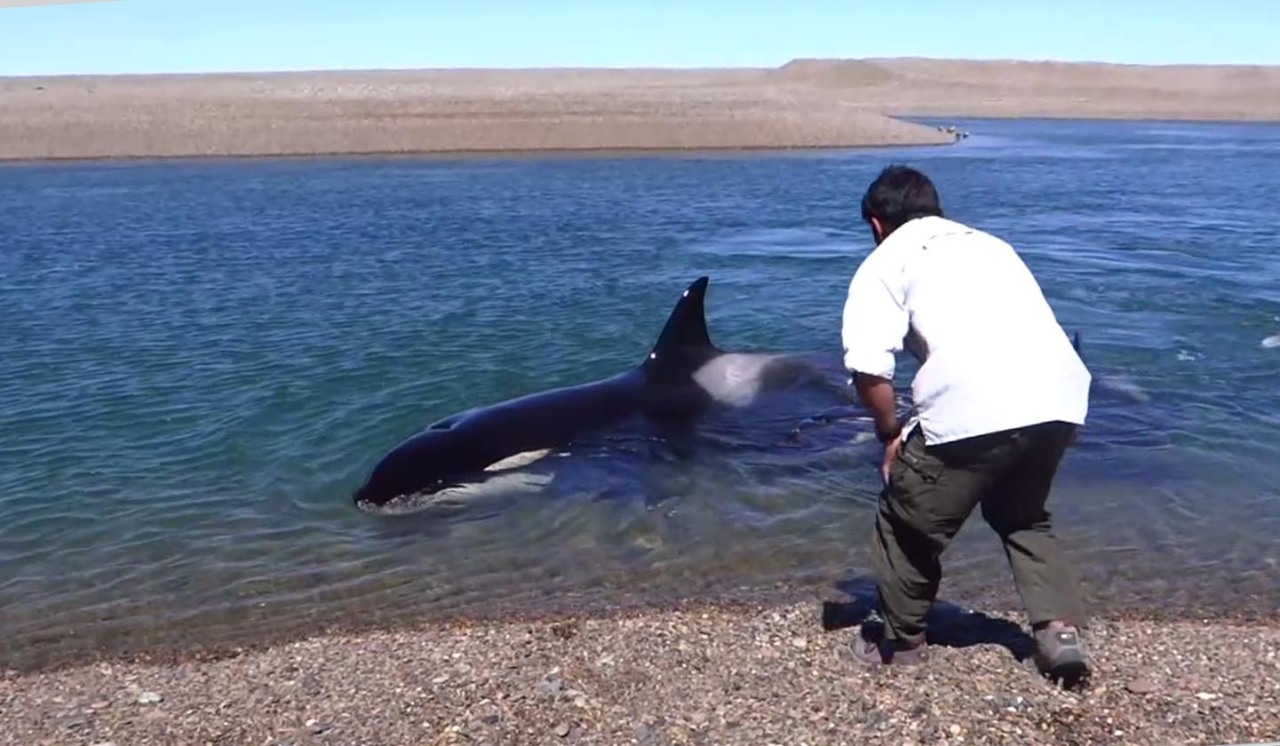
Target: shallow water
<point>204,358</point>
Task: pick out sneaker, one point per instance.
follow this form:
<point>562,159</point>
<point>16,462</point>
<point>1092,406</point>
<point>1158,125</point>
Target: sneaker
<point>882,652</point>
<point>1060,656</point>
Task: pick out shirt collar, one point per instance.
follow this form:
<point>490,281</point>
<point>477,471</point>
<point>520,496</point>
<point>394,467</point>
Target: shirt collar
<point>920,229</point>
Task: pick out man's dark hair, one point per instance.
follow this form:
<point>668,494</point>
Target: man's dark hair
<point>899,194</point>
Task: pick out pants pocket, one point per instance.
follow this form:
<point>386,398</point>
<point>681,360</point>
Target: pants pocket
<point>914,466</point>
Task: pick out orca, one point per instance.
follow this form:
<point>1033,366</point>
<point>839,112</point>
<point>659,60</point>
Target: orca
<point>682,377</point>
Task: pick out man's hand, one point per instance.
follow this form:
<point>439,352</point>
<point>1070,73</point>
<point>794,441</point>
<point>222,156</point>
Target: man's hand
<point>877,395</point>
<point>891,450</point>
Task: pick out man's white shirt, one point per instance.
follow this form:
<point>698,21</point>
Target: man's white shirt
<point>995,356</point>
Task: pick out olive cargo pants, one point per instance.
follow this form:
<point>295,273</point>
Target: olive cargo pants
<point>930,493</point>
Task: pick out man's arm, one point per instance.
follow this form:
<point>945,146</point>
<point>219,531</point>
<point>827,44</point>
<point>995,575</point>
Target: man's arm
<point>876,394</point>
<point>875,323</point>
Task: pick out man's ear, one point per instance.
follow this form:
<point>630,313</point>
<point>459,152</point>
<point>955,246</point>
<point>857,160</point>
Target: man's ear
<point>877,229</point>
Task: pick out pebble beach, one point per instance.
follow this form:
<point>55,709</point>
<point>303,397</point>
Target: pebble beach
<point>714,675</point>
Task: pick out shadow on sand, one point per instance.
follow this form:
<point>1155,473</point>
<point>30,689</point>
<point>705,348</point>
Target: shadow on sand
<point>948,625</point>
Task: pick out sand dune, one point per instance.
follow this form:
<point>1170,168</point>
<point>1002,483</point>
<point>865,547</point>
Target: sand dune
<point>1047,89</point>
<point>803,104</point>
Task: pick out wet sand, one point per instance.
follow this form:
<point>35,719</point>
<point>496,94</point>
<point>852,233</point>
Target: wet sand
<point>803,104</point>
<point>699,675</point>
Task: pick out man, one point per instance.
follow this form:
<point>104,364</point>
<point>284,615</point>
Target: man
<point>998,396</point>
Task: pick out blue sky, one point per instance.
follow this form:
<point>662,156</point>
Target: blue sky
<point>126,36</point>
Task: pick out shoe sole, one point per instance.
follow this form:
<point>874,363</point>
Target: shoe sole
<point>1071,674</point>
<point>1070,670</point>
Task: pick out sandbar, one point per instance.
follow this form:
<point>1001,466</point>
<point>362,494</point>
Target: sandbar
<point>801,104</point>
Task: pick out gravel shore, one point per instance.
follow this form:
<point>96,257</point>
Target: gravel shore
<point>803,104</point>
<point>716,675</point>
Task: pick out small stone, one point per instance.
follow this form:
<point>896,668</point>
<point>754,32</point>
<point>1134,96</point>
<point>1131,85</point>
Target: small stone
<point>149,698</point>
<point>551,688</point>
<point>800,643</point>
<point>316,727</point>
<point>1141,685</point>
<point>99,705</point>
<point>1206,695</point>
<point>564,630</point>
<point>955,730</point>
<point>562,730</point>
<point>310,686</point>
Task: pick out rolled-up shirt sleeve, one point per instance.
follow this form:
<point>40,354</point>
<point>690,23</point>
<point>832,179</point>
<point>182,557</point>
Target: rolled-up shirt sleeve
<point>875,320</point>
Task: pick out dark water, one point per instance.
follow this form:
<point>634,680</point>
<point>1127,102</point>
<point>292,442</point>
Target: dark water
<point>202,359</point>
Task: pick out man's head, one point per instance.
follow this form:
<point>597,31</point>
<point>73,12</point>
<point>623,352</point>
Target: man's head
<point>898,194</point>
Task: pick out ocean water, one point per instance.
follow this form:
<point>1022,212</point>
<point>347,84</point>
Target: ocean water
<point>203,358</point>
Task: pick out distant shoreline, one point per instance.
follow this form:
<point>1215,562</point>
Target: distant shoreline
<point>507,154</point>
<point>469,155</point>
<point>803,105</point>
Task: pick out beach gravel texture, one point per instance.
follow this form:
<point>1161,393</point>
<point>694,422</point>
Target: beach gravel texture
<point>755,675</point>
<point>802,104</point>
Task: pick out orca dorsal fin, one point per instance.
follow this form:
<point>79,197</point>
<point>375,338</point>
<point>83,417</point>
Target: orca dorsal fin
<point>685,333</point>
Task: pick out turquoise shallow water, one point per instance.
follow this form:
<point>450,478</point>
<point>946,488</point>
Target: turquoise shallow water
<point>203,358</point>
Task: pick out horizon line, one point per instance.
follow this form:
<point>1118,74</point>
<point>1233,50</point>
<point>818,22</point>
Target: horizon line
<point>626,68</point>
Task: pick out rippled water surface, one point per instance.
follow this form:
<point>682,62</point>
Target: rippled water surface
<point>203,359</point>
